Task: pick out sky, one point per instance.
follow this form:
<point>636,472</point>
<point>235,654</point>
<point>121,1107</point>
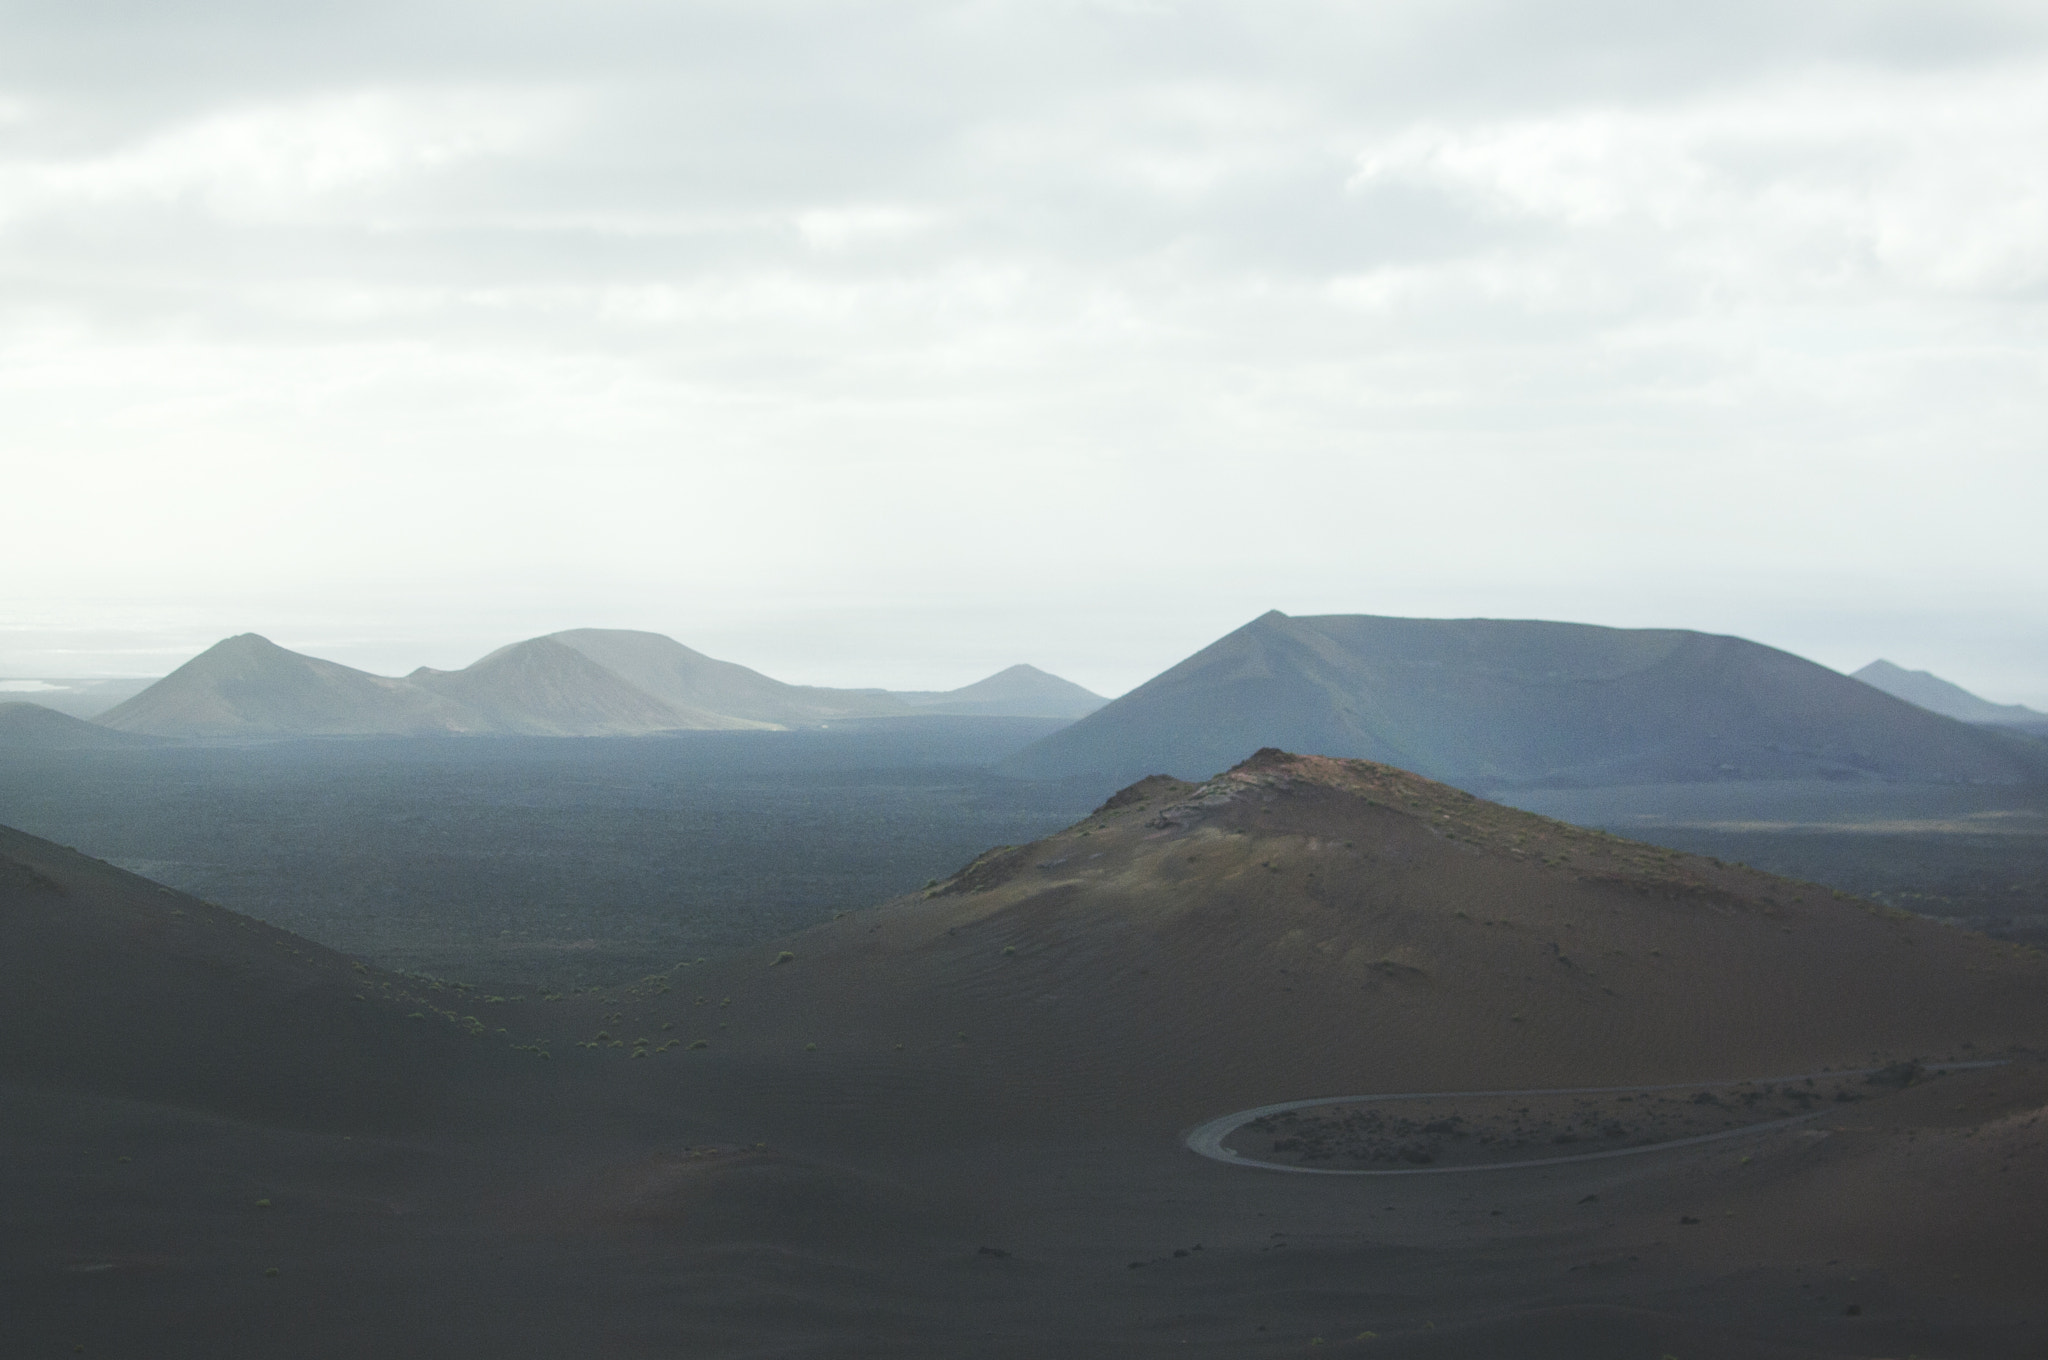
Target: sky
<point>892,343</point>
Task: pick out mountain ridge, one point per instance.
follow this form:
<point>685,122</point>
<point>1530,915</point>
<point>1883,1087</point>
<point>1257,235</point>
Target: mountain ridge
<point>544,687</point>
<point>1021,690</point>
<point>1497,704</point>
<point>248,686</point>
<point>576,683</point>
<point>1929,691</point>
<point>739,696</point>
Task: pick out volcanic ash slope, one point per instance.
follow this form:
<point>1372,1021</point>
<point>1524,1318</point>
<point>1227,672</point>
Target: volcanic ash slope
<point>115,986</point>
<point>1303,926</point>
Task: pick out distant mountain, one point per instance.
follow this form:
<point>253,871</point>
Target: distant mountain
<point>81,698</point>
<point>248,686</point>
<point>31,727</point>
<point>583,682</point>
<point>1937,695</point>
<point>726,694</point>
<point>1495,704</point>
<point>543,687</point>
<point>1019,692</point>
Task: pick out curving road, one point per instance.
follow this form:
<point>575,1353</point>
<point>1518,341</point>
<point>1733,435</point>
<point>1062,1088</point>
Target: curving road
<point>1208,1139</point>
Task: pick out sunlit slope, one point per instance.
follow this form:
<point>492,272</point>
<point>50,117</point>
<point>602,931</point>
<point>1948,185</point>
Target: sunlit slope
<point>114,985</point>
<point>248,686</point>
<point>1304,926</point>
<point>1492,704</point>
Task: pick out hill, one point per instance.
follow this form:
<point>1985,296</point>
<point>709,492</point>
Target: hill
<point>723,693</point>
<point>1018,692</point>
<point>248,686</point>
<point>584,682</point>
<point>79,697</point>
<point>542,687</point>
<point>958,1123</point>
<point>1937,695</point>
<point>117,986</point>
<point>1303,926</point>
<point>1497,704</point>
<point>27,726</point>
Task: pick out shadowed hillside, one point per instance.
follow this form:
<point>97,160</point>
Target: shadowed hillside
<point>1491,704</point>
<point>954,1124</point>
<point>115,985</point>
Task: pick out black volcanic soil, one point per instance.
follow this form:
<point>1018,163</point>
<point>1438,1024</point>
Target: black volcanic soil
<point>951,1125</point>
<point>1478,1130</point>
<point>543,861</point>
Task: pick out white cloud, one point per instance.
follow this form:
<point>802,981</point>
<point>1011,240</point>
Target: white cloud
<point>1013,312</point>
<point>1833,180</point>
<point>265,162</point>
<point>845,228</point>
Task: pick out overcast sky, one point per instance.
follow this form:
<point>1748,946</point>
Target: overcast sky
<point>892,343</point>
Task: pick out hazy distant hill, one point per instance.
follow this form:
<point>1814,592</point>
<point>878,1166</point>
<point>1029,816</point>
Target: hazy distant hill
<point>81,698</point>
<point>1495,704</point>
<point>724,693</point>
<point>25,726</point>
<point>1019,692</point>
<point>583,682</point>
<point>248,686</point>
<point>543,687</point>
<point>1932,692</point>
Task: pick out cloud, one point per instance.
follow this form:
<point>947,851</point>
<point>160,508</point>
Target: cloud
<point>1834,180</point>
<point>271,163</point>
<point>1584,309</point>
